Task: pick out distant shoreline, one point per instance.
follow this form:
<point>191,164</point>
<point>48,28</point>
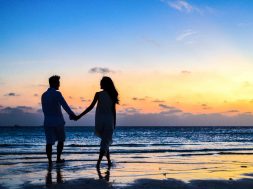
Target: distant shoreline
<point>20,126</point>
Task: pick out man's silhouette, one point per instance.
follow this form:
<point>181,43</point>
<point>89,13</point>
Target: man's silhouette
<point>52,101</point>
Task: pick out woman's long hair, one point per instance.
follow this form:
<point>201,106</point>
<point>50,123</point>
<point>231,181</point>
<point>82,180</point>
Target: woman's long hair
<point>107,84</point>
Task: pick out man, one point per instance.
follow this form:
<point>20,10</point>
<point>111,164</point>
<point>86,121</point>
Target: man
<point>52,101</point>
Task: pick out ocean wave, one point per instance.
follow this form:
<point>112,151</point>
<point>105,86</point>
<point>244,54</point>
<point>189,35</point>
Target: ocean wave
<point>129,145</point>
<point>81,145</point>
<point>20,145</point>
<point>114,145</point>
<point>140,151</point>
<point>118,145</point>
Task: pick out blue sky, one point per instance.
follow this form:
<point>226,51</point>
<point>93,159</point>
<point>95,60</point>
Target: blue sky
<point>43,29</point>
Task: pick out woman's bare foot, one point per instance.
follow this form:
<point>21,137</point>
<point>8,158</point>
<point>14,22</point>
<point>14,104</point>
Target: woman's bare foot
<point>98,165</point>
<point>109,163</point>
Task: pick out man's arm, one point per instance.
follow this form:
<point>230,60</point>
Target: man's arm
<point>65,106</point>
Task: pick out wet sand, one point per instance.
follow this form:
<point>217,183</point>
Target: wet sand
<point>162,170</point>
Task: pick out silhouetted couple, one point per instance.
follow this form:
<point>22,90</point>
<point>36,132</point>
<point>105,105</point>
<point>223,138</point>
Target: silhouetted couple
<point>105,119</point>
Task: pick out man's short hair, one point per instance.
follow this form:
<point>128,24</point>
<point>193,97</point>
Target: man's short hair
<point>53,80</point>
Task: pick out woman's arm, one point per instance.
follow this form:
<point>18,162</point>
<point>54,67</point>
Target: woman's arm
<point>90,107</point>
<point>114,114</point>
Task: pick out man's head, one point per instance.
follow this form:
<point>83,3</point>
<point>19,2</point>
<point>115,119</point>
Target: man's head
<point>54,81</point>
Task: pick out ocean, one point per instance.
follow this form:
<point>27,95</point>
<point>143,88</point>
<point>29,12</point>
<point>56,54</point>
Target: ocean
<point>177,141</point>
<point>137,152</point>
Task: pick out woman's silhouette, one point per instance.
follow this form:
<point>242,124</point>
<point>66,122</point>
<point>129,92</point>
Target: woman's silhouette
<point>105,118</point>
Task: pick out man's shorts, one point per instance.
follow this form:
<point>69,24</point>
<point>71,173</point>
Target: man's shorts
<point>54,133</point>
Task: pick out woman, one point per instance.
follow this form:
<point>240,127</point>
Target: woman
<point>105,119</point>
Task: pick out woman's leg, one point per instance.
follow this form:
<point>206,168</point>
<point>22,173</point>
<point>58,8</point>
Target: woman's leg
<point>100,157</point>
<point>108,158</point>
<point>106,139</point>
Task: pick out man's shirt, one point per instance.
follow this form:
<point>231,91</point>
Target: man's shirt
<point>51,101</point>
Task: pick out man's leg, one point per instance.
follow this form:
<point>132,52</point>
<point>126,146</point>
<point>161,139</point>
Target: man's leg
<point>60,135</point>
<point>49,153</point>
<point>59,152</point>
<point>49,132</point>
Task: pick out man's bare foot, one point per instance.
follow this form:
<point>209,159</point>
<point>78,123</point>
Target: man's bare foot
<point>50,163</point>
<point>60,161</point>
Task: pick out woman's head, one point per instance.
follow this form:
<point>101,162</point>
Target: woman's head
<point>107,84</point>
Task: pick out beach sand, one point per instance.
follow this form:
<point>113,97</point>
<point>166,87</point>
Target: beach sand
<point>130,171</point>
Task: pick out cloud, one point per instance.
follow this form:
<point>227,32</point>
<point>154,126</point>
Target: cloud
<point>247,113</point>
<point>185,72</point>
<point>131,116</point>
<point>158,101</point>
<point>181,6</point>
<point>101,70</point>
<point>131,110</point>
<point>184,119</point>
<point>152,42</point>
<point>138,99</point>
<point>247,84</point>
<point>185,7</point>
<point>73,107</point>
<point>187,34</point>
<point>169,109</point>
<point>205,107</point>
<point>187,37</point>
<point>20,115</point>
<point>232,111</point>
<point>83,99</point>
<point>24,108</point>
<point>42,85</point>
<point>11,94</point>
<point>28,116</point>
<point>164,106</point>
<point>17,109</point>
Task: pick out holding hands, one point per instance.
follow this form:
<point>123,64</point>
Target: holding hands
<point>74,117</point>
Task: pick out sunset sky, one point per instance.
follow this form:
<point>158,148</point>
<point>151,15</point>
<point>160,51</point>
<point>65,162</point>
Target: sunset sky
<point>174,62</point>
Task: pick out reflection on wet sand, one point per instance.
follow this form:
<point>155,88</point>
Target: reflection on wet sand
<point>130,172</point>
<point>49,180</point>
<point>106,174</point>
